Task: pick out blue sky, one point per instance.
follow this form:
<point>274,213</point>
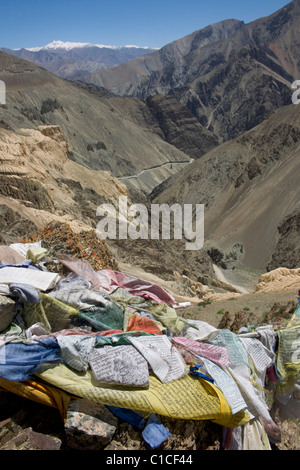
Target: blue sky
<point>119,22</point>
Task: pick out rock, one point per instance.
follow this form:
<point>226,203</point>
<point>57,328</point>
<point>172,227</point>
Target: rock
<point>228,223</point>
<point>278,280</point>
<point>225,286</point>
<point>8,430</point>
<point>54,132</point>
<point>242,318</point>
<point>30,440</point>
<point>89,425</point>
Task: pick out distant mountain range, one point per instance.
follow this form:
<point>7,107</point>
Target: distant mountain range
<point>75,60</point>
<point>230,75</point>
<point>123,136</point>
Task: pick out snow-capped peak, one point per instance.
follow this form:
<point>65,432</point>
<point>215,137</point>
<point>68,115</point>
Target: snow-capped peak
<point>59,45</point>
<point>72,45</point>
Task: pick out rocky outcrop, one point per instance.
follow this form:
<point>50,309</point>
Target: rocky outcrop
<point>28,439</point>
<point>158,72</point>
<point>279,279</point>
<point>34,165</point>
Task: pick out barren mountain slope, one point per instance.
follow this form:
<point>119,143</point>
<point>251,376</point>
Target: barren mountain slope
<point>40,184</point>
<point>249,186</point>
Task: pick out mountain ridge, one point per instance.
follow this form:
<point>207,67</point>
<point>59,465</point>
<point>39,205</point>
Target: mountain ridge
<point>74,61</point>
